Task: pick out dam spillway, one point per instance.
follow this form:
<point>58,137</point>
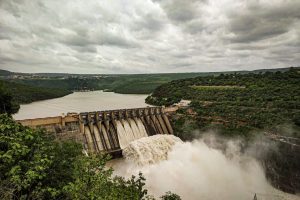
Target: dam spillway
<point>106,131</point>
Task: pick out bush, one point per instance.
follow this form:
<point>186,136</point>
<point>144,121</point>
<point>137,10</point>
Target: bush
<point>35,166</point>
<point>7,105</point>
<point>170,196</point>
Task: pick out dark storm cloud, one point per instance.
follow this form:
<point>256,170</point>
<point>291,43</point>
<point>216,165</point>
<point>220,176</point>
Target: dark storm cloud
<point>136,36</point>
<point>85,48</point>
<point>149,21</point>
<point>103,39</point>
<point>181,11</point>
<point>258,22</point>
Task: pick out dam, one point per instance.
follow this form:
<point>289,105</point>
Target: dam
<point>107,131</point>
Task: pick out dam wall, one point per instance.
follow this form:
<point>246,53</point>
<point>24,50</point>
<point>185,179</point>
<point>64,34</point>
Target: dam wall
<point>106,131</point>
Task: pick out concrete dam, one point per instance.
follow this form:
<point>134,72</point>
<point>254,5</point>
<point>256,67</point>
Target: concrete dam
<point>106,131</point>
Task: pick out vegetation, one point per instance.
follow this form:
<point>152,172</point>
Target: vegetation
<point>62,84</point>
<point>7,104</point>
<point>26,94</point>
<point>122,83</point>
<point>170,196</point>
<point>234,104</point>
<point>126,84</point>
<point>12,94</point>
<point>35,166</point>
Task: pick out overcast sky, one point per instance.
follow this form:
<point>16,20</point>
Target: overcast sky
<point>148,36</point>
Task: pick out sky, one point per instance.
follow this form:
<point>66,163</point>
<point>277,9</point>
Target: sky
<point>148,36</point>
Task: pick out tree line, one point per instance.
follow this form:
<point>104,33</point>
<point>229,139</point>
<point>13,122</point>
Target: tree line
<point>245,103</point>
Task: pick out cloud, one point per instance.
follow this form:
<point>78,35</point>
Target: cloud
<point>148,36</point>
<point>262,21</point>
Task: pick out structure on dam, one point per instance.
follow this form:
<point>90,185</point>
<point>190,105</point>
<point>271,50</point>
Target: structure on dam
<point>106,131</point>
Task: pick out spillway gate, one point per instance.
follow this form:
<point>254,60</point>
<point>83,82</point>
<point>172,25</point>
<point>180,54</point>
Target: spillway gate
<point>109,131</point>
<point>106,131</point>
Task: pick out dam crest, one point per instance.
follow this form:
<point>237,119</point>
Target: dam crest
<point>106,131</point>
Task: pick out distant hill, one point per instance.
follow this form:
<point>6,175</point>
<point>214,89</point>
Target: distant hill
<point>26,94</point>
<point>119,83</point>
<point>275,70</point>
<point>7,73</point>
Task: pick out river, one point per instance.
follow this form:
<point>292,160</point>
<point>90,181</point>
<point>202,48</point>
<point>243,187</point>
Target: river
<point>80,102</point>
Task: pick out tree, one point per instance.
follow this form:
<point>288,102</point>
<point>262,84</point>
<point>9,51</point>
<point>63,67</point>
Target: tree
<point>32,164</point>
<point>94,181</point>
<point>170,196</point>
<point>35,166</point>
<point>7,105</point>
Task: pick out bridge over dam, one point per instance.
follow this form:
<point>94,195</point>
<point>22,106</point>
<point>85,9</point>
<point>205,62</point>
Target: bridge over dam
<point>107,131</point>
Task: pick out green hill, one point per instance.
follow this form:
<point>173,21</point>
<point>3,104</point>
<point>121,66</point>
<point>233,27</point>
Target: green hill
<point>5,72</point>
<point>127,84</point>
<point>120,83</point>
<point>234,103</point>
<point>26,94</point>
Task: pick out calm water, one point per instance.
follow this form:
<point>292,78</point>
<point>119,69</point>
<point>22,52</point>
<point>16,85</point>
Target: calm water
<point>80,102</point>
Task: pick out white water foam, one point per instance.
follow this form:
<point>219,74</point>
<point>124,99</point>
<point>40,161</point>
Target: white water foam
<point>147,151</point>
<point>194,170</point>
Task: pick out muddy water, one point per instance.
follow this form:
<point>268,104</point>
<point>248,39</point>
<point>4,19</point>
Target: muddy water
<point>195,170</point>
<point>80,102</point>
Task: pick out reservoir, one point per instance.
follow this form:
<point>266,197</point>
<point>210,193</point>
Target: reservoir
<point>80,102</point>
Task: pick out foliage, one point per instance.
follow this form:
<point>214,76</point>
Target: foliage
<point>94,181</point>
<point>170,196</point>
<point>26,94</point>
<point>235,103</point>
<point>126,84</point>
<point>7,104</point>
<point>35,166</point>
<point>32,165</point>
<point>120,83</point>
<point>185,127</point>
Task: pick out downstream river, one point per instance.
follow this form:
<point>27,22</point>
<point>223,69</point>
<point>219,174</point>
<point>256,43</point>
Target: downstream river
<point>80,102</point>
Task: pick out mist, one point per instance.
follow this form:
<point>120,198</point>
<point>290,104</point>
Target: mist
<point>197,169</point>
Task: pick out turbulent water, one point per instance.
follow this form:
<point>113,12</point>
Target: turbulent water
<point>195,170</point>
<point>147,151</point>
<point>129,131</point>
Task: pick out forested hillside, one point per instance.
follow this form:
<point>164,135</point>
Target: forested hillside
<point>21,93</point>
<point>127,84</point>
<point>119,83</point>
<point>234,103</point>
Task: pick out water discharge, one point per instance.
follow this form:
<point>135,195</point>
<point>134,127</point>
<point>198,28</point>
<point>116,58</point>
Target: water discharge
<point>144,151</point>
<point>195,170</point>
<point>141,127</point>
<point>129,131</point>
<point>121,135</point>
<point>134,128</point>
